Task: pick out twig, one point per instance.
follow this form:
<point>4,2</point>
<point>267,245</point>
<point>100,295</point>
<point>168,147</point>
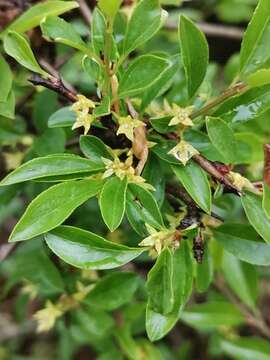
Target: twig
<point>139,146</point>
<point>254,319</point>
<point>56,85</point>
<point>85,11</point>
<point>213,30</point>
<point>217,175</point>
<point>232,91</point>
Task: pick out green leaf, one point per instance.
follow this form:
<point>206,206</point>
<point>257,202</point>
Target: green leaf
<point>104,108</point>
<point>242,278</point>
<point>63,32</point>
<point>254,54</point>
<point>222,137</point>
<point>212,314</point>
<point>98,34</point>
<point>50,142</point>
<point>266,199</point>
<point>195,181</point>
<point>160,86</point>
<point>150,172</point>
<point>141,74</point>
<point>86,250</point>
<point>48,210</point>
<point>33,16</point>
<point>246,107</point>
<point>204,271</point>
<point>112,202</point>
<point>256,216</point>
<point>240,240</point>
<point>6,79</point>
<point>159,284</point>
<point>146,20</point>
<point>194,54</point>
<point>31,262</point>
<point>109,7</point>
<point>158,325</point>
<point>113,291</point>
<point>142,208</point>
<point>49,166</point>
<point>259,78</point>
<point>18,47</point>
<point>246,348</point>
<point>64,117</point>
<point>200,141</point>
<point>94,149</point>
<point>7,108</point>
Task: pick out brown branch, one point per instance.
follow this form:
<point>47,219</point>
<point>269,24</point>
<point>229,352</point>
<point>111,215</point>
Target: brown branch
<point>56,85</point>
<point>85,11</point>
<point>232,91</point>
<point>213,30</point>
<point>215,173</point>
<point>254,319</point>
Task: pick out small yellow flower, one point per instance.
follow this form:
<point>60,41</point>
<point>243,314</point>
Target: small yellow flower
<point>46,317</point>
<point>127,126</point>
<point>240,182</point>
<point>124,169</point>
<point>82,291</point>
<point>181,116</point>
<point>82,108</point>
<point>158,240</point>
<point>30,289</point>
<point>183,152</point>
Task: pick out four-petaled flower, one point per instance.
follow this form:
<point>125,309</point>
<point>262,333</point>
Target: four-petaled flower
<point>183,152</point>
<point>181,116</point>
<point>127,126</point>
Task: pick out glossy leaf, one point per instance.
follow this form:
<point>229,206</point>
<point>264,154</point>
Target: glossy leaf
<point>33,16</point>
<point>112,202</point>
<point>6,79</point>
<point>162,149</point>
<point>63,32</point>
<point>195,181</point>
<point>158,325</point>
<point>160,86</point>
<point>142,208</point>
<point>86,250</point>
<point>246,348</point>
<point>212,314</point>
<point>241,241</point>
<point>259,78</point>
<point>254,52</point>
<point>63,117</point>
<point>18,47</point>
<point>113,290</point>
<point>246,107</point>
<point>94,149</point>
<point>159,284</point>
<point>222,137</point>
<point>194,54</point>
<point>242,278</point>
<point>48,211</point>
<point>49,166</point>
<point>141,74</point>
<point>146,20</point>
<point>258,219</point>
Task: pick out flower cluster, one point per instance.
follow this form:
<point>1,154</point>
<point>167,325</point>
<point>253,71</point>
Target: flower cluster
<point>82,108</point>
